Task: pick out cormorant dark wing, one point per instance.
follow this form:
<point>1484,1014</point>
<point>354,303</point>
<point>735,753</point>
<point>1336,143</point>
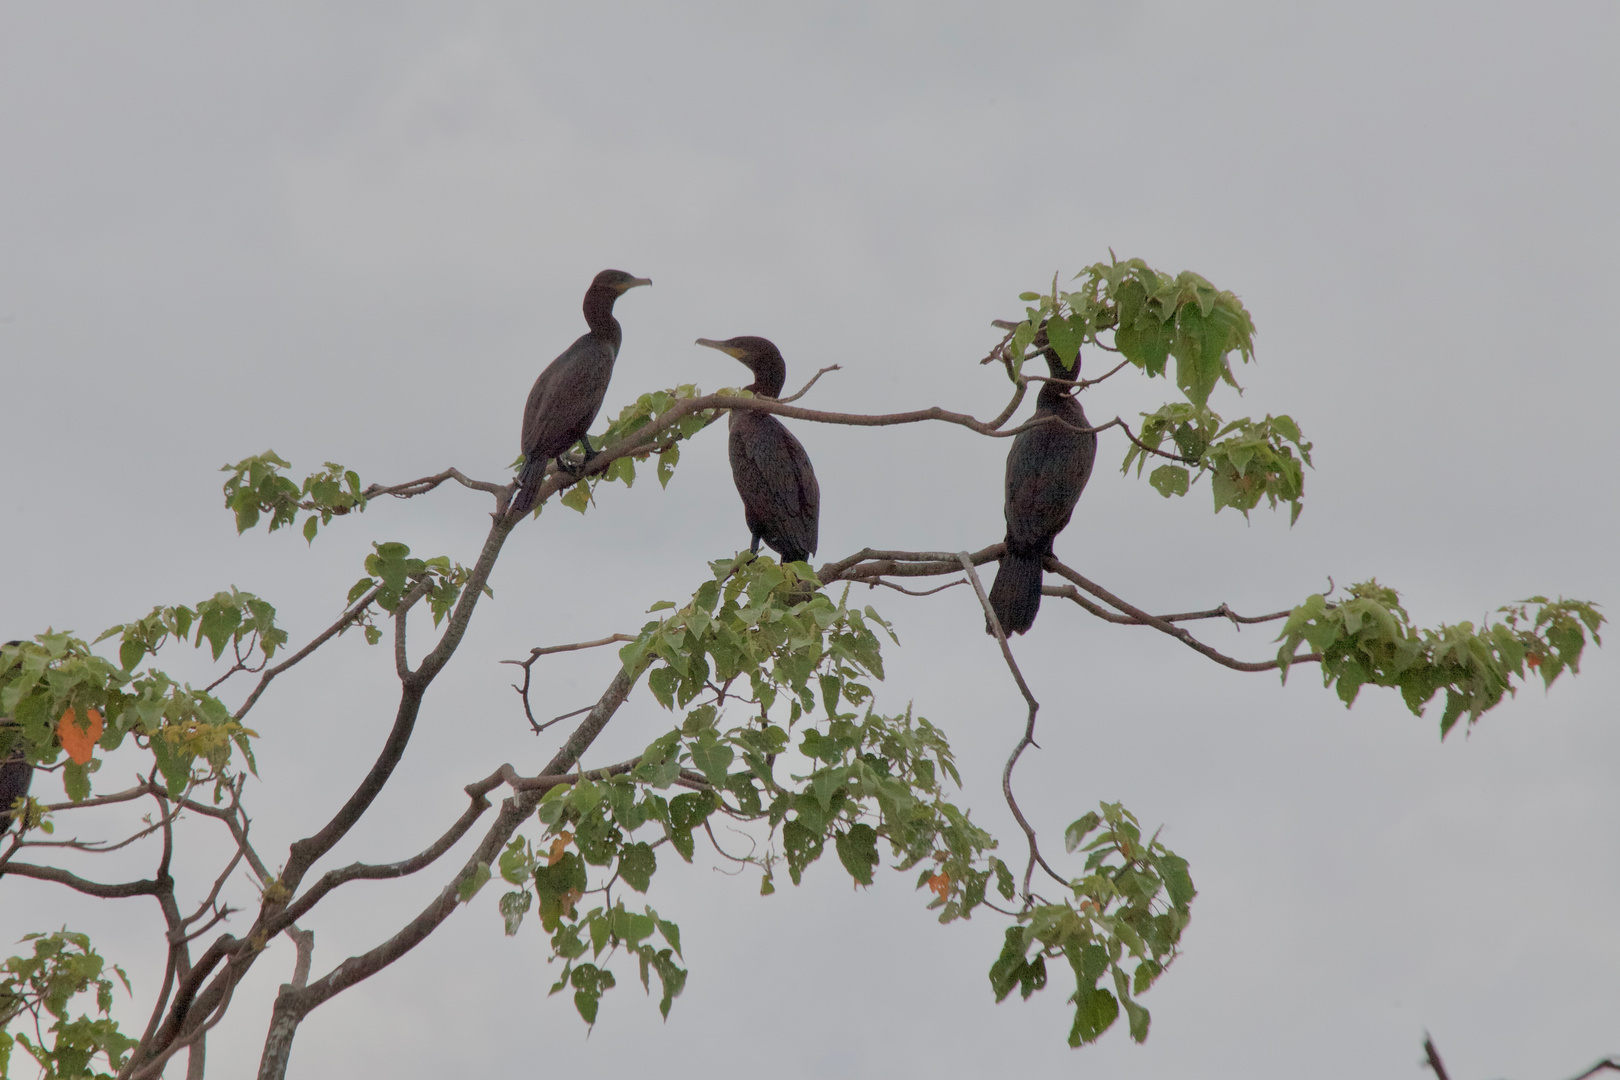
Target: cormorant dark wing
<point>566,397</point>
<point>16,774</point>
<point>1047,469</point>
<point>780,495</point>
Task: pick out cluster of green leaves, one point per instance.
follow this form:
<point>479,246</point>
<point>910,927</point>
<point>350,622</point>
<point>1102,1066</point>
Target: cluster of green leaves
<point>256,486</point>
<point>1369,639</point>
<point>604,814</point>
<point>43,985</point>
<point>1152,317</point>
<point>804,661</point>
<point>1132,904</point>
<point>226,618</point>
<point>767,622</point>
<point>1247,459</point>
<point>631,419</point>
<point>810,768</point>
<point>393,572</point>
<point>190,733</point>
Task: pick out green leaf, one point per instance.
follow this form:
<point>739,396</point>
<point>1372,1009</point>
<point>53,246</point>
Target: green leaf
<point>1065,337</point>
<point>578,497</point>
<point>1095,1011</point>
<point>1076,833</point>
<point>469,886</point>
<point>1177,882</point>
<point>1169,480</point>
<point>857,850</point>
<point>801,846</point>
<point>1137,1015</point>
<point>712,757</point>
<point>514,905</point>
<point>76,781</point>
<point>637,864</point>
<point>1008,969</point>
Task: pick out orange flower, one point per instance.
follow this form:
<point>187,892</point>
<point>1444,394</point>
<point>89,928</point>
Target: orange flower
<point>79,740</point>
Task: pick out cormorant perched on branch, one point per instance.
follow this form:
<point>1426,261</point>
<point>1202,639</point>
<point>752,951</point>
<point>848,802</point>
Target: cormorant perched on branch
<point>568,394</point>
<point>1047,468</point>
<point>780,496</point>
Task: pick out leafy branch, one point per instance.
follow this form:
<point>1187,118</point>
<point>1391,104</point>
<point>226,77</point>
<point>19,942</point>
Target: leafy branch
<point>1369,640</point>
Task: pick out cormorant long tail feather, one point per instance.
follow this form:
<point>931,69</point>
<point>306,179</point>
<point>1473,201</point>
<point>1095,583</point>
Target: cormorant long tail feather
<point>1015,596</point>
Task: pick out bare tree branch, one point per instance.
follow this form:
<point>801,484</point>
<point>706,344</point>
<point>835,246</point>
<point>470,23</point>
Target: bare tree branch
<point>348,616</point>
<point>412,488</point>
<point>805,389</point>
<point>294,1003</point>
<point>402,613</point>
<point>869,564</point>
<point>303,853</point>
<point>79,884</point>
<point>1164,625</point>
<point>1028,738</point>
<point>537,653</point>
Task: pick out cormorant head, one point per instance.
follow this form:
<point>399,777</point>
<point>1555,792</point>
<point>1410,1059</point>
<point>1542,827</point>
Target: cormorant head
<point>618,281</point>
<point>761,357</point>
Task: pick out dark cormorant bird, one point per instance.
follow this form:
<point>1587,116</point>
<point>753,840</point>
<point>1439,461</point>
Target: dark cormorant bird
<point>780,496</point>
<point>568,394</point>
<point>1047,468</point>
<point>16,774</point>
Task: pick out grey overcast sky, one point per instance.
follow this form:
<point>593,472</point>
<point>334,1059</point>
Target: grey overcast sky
<point>355,232</point>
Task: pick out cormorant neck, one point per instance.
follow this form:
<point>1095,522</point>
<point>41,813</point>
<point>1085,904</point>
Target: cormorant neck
<point>599,314</point>
<point>1051,392</point>
<point>768,378</point>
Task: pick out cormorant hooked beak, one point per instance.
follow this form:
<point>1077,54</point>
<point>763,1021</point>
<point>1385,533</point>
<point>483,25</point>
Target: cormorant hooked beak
<point>730,350</point>
<point>632,283</point>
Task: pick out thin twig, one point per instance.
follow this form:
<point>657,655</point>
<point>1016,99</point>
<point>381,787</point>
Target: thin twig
<point>1028,738</point>
<point>402,612</point>
<point>537,653</point>
<point>1115,370</point>
<point>353,612</point>
<point>913,592</point>
<point>1433,1055</point>
<point>213,894</point>
<point>870,563</point>
<point>805,389</point>
<point>412,488</point>
<point>1166,627</point>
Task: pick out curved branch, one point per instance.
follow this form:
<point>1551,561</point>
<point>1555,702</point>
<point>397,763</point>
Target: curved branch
<point>405,867</point>
<point>412,488</point>
<point>537,653</point>
<point>303,853</point>
<point>869,564</point>
<point>58,876</point>
<point>402,614</point>
<point>348,616</point>
<point>1164,626</point>
<point>640,440</point>
<point>294,1003</point>
<point>1028,738</point>
<point>805,389</point>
